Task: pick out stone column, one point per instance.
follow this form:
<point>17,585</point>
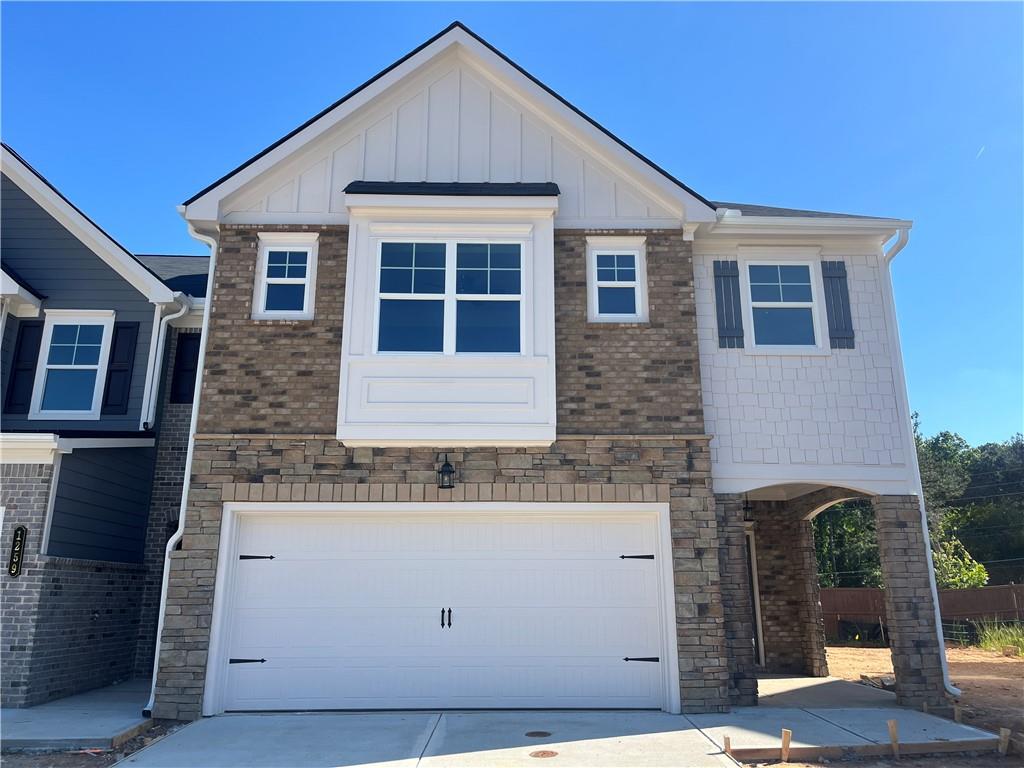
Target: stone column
<point>736,603</point>
<point>909,602</point>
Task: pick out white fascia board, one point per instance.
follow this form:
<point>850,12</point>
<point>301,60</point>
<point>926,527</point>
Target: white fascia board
<point>34,448</point>
<point>804,225</point>
<point>193,318</point>
<point>91,236</point>
<point>206,208</point>
<point>743,478</point>
<point>454,435</point>
<point>68,444</point>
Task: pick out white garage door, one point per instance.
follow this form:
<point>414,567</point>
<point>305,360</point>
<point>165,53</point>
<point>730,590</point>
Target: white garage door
<point>444,611</point>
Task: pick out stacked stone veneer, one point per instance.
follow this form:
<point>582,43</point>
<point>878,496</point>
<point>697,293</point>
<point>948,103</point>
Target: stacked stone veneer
<point>736,599</point>
<point>629,422</point>
<point>596,469</point>
<point>174,420</point>
<point>68,625</point>
<point>909,601</point>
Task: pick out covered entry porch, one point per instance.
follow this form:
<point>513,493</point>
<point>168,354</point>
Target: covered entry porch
<point>770,589</point>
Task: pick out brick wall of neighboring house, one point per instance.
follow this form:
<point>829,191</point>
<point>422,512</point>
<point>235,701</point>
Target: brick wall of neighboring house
<point>254,468</point>
<point>68,625</point>
<point>24,492</point>
<point>268,418</point>
<point>173,424</point>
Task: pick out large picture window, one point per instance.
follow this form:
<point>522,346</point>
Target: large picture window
<point>782,304</point>
<point>450,297</point>
<point>72,365</point>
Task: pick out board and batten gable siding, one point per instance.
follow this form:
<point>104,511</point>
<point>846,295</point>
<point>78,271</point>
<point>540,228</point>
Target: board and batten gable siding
<point>56,264</point>
<point>101,505</point>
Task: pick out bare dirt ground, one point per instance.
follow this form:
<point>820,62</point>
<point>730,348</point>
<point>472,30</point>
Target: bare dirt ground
<point>90,758</point>
<point>992,697</point>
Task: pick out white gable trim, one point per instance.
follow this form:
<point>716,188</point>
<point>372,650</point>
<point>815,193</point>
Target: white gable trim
<point>90,235</point>
<point>205,206</point>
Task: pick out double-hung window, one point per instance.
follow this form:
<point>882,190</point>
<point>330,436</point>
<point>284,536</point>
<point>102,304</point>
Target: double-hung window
<point>72,365</point>
<point>782,304</point>
<point>286,276</point>
<point>450,297</point>
<point>616,280</point>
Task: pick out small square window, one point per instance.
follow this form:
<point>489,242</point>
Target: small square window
<point>616,280</point>
<point>286,278</point>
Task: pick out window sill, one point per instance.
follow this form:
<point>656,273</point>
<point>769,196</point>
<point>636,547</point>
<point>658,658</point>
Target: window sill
<point>64,416</point>
<point>786,351</point>
<point>619,320</point>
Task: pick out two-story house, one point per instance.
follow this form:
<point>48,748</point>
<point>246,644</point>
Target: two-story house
<point>496,412</point>
<point>98,367</point>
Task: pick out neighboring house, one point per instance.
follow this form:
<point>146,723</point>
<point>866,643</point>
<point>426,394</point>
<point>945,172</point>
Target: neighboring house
<point>90,414</point>
<point>643,397</point>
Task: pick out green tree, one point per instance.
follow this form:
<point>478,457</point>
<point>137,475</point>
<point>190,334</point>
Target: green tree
<point>955,568</point>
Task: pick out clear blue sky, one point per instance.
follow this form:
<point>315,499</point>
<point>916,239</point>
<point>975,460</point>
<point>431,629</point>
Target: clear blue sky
<point>912,111</point>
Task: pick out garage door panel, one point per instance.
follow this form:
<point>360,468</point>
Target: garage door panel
<point>347,614</point>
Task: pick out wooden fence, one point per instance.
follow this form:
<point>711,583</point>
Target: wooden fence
<point>859,613</point>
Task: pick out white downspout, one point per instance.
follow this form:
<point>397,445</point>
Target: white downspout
<point>173,541</point>
<point>152,393</point>
<point>887,257</point>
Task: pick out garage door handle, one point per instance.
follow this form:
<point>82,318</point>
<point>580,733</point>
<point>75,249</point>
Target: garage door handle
<point>442,618</point>
<point>449,618</point>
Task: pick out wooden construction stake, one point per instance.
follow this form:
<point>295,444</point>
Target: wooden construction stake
<point>894,738</point>
<point>727,745</point>
<point>1004,740</point>
<point>787,735</point>
<point>957,713</point>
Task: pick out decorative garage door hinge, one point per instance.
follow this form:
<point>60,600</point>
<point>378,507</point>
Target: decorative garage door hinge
<point>247,661</point>
<point>641,658</point>
<point>636,557</point>
<point>255,557</point>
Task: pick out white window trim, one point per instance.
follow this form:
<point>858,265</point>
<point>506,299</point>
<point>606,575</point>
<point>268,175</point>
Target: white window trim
<point>292,241</point>
<point>796,256</point>
<point>450,297</point>
<point>103,317</point>
<point>602,246</point>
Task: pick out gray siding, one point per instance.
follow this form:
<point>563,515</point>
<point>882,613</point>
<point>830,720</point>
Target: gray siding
<point>57,265</point>
<point>101,506</point>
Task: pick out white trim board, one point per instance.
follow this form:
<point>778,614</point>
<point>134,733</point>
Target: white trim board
<point>227,560</point>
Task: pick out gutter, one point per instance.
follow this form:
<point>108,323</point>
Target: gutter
<point>149,412</point>
<point>903,234</point>
<point>186,485</point>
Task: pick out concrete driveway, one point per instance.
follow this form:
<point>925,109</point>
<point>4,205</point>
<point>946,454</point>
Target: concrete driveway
<point>436,740</point>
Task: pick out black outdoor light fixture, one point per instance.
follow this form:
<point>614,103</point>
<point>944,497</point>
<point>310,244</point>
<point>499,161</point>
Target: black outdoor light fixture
<point>748,511</point>
<point>446,475</point>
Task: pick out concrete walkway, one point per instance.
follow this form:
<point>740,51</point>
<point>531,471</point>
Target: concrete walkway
<point>99,719</point>
<point>820,692</point>
<point>435,740</point>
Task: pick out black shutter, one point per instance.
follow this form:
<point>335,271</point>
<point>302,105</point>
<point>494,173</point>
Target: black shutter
<point>119,368</point>
<point>728,305</point>
<point>186,364</point>
<point>837,303</point>
<point>23,366</point>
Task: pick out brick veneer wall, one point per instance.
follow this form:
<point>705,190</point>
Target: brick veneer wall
<point>24,492</point>
<point>274,376</point>
<point>794,632</point>
<point>739,610</point>
<point>174,420</point>
<point>649,468</point>
<point>909,601</point>
<point>68,625</point>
